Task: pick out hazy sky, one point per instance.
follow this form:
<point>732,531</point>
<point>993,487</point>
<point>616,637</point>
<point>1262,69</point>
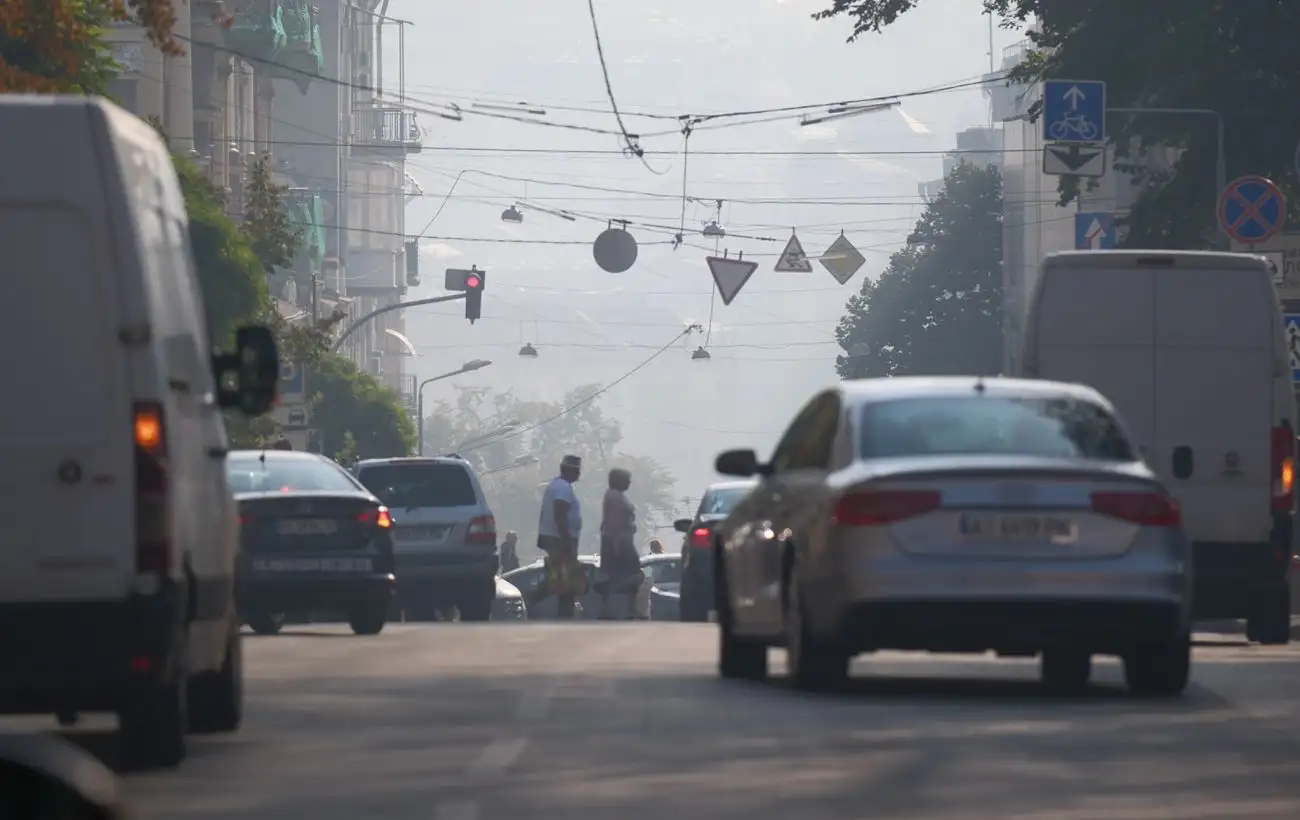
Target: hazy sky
<point>773,346</point>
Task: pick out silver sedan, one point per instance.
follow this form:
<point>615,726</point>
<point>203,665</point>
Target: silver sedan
<point>955,515</point>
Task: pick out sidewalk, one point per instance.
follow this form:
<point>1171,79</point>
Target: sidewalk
<point>1239,627</point>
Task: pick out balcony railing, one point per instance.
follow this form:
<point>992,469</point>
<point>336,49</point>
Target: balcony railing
<point>386,129</point>
<point>407,390</point>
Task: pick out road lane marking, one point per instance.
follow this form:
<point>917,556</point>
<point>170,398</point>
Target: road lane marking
<point>498,756</point>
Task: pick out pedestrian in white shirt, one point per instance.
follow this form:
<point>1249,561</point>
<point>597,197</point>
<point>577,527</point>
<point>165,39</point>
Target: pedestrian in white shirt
<point>558,529</point>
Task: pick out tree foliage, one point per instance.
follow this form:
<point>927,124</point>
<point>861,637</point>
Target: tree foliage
<point>355,416</point>
<point>274,236</point>
<point>230,274</point>
<point>526,430</point>
<point>57,46</point>
<point>1233,58</point>
<point>937,308</point>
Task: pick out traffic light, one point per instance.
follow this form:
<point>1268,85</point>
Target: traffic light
<point>473,295</point>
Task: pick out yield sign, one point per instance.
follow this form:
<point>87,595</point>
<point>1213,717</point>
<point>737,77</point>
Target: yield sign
<point>842,259</point>
<point>730,275</point>
<point>793,259</point>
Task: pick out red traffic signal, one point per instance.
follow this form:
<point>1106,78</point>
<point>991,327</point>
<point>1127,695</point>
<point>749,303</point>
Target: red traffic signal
<point>472,282</point>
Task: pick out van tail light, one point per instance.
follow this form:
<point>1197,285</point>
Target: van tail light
<point>1284,447</point>
<point>153,552</point>
<point>874,508</point>
<point>482,530</point>
<point>1145,509</point>
<point>700,538</point>
<point>379,517</point>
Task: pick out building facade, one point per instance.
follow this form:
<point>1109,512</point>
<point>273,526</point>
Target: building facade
<point>302,81</point>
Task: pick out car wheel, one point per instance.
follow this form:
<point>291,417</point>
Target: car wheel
<point>1065,670</point>
<point>216,699</point>
<point>266,623</point>
<point>811,663</point>
<point>1270,623</point>
<point>1162,670</point>
<point>153,721</point>
<point>738,657</point>
<point>476,604</point>
<point>369,619</point>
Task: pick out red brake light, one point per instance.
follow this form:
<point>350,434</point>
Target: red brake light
<point>482,530</point>
<point>700,538</point>
<point>1283,451</point>
<point>873,508</point>
<point>1145,509</point>
<point>380,517</point>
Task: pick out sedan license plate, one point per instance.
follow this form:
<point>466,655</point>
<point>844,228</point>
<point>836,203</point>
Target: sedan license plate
<point>1054,529</point>
<point>312,565</point>
<point>307,526</point>
<point>431,533</point>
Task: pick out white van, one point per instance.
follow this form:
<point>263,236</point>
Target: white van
<point>117,561</point>
<point>1190,347</point>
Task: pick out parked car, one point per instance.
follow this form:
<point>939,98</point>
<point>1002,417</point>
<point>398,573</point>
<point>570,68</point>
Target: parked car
<point>444,535</point>
<point>527,577</point>
<point>312,540</point>
<point>696,592</point>
<point>658,599</point>
<point>509,604</point>
<point>955,515</point>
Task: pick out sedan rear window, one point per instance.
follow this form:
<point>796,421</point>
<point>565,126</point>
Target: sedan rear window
<point>420,485</point>
<point>992,425</point>
<point>722,502</point>
<point>271,475</point>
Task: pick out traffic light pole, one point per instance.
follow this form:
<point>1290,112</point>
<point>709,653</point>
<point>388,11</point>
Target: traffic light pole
<point>433,300</point>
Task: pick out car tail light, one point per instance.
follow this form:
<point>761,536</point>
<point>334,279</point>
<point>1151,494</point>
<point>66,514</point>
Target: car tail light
<point>1284,446</point>
<point>482,530</point>
<point>872,508</point>
<point>1145,509</point>
<point>152,520</point>
<point>379,517</point>
<point>700,538</point>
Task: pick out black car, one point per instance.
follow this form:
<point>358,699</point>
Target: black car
<point>697,548</point>
<point>312,539</point>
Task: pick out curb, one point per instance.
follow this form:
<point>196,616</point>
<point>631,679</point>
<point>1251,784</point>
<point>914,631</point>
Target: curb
<point>1239,627</point>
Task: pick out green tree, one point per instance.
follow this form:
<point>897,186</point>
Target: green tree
<point>229,272</point>
<point>356,416</point>
<point>516,446</point>
<point>274,236</point>
<point>937,308</point>
<point>1237,59</point>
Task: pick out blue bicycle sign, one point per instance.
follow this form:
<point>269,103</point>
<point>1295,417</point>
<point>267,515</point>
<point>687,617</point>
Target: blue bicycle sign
<point>1073,127</point>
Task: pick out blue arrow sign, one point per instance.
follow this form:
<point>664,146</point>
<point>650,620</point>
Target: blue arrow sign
<point>1094,231</point>
<point>1074,111</point>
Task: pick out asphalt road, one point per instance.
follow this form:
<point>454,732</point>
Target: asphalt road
<point>628,721</point>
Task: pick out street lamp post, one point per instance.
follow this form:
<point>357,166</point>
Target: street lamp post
<point>472,365</point>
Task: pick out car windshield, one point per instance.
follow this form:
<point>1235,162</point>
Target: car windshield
<point>723,501</point>
<point>254,474</point>
<point>992,425</point>
<point>665,572</point>
<point>420,484</point>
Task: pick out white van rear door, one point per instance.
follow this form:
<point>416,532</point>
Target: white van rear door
<point>1217,337</point>
<point>66,470</point>
<point>1092,326</point>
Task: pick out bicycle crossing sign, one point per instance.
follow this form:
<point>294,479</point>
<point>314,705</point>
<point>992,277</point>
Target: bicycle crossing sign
<point>793,259</point>
<point>1074,111</point>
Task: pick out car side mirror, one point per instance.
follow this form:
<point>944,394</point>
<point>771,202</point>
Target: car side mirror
<point>741,463</point>
<point>248,379</point>
<point>45,776</point>
<point>682,525</point>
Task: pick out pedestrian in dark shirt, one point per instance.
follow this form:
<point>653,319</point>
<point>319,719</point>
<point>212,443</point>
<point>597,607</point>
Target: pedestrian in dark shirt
<point>509,552</point>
